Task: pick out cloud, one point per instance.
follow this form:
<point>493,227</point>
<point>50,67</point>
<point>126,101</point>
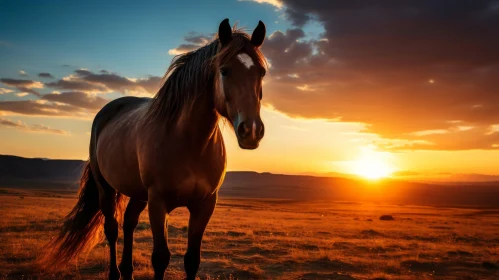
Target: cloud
<point>30,128</point>
<point>105,82</point>
<point>182,49</point>
<point>193,41</point>
<point>66,104</point>
<point>78,99</point>
<point>276,3</point>
<point>493,129</point>
<point>23,85</point>
<point>5,90</point>
<point>375,60</point>
<point>41,108</point>
<point>405,173</point>
<point>297,18</point>
<point>198,39</point>
<point>76,84</point>
<point>430,132</point>
<point>45,75</point>
<point>111,81</point>
<point>76,95</point>
<point>23,73</point>
<point>150,84</point>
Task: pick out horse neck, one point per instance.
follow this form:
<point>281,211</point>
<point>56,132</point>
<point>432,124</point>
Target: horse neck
<point>199,123</point>
<point>196,124</point>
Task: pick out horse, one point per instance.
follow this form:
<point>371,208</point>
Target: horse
<point>167,152</point>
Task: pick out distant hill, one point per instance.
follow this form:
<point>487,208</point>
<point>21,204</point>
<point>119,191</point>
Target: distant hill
<point>36,172</point>
<point>18,172</point>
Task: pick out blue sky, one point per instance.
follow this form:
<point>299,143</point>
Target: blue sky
<point>129,37</point>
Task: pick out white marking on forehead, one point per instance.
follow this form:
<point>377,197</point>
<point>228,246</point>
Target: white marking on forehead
<point>246,60</point>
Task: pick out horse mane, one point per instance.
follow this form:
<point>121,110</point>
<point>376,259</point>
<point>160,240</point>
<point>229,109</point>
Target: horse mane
<point>194,73</point>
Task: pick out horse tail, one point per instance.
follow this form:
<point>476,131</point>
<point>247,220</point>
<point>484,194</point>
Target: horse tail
<point>82,228</point>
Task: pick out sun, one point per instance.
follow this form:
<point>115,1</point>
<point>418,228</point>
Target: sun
<point>372,166</point>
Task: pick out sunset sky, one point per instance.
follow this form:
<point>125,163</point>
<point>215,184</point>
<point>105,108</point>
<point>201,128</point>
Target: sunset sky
<point>413,85</point>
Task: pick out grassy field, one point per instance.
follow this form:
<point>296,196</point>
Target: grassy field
<point>273,239</point>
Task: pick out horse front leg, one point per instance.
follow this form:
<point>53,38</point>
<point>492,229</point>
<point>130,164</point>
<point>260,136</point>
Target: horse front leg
<point>199,217</point>
<point>131,219</point>
<point>157,217</point>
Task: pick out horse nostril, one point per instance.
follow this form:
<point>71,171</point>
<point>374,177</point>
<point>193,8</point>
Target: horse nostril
<point>242,130</point>
<point>261,132</point>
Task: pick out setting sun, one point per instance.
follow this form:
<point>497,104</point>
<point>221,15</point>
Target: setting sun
<point>372,165</point>
<point>372,168</point>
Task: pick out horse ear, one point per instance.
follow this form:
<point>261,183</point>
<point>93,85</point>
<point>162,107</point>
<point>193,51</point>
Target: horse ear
<point>224,32</point>
<point>258,35</point>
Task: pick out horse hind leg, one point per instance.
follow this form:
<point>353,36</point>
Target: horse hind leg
<point>131,219</point>
<point>108,204</point>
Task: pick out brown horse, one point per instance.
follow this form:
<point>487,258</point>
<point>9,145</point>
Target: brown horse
<point>167,152</point>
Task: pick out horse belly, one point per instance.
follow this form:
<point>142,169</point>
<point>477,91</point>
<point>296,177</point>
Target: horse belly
<point>118,165</point>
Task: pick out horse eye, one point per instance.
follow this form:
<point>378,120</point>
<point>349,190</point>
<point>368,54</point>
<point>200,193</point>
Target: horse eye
<point>224,71</point>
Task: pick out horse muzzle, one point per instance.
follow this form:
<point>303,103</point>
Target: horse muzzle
<point>249,133</point>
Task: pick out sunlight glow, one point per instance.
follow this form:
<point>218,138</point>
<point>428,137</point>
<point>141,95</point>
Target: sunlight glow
<point>372,165</point>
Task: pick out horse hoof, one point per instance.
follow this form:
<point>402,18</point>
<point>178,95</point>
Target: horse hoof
<point>114,275</point>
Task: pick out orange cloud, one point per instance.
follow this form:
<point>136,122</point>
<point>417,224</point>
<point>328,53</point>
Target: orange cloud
<point>406,71</point>
<point>39,128</point>
<point>23,85</point>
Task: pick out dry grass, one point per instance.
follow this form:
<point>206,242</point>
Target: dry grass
<point>269,239</point>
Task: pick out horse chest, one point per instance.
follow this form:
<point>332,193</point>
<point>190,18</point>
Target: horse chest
<point>192,188</point>
<point>195,184</point>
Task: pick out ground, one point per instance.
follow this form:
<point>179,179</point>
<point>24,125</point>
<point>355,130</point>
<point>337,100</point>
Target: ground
<point>274,239</point>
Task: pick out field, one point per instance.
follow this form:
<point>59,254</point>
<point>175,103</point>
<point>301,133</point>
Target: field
<point>274,239</point>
